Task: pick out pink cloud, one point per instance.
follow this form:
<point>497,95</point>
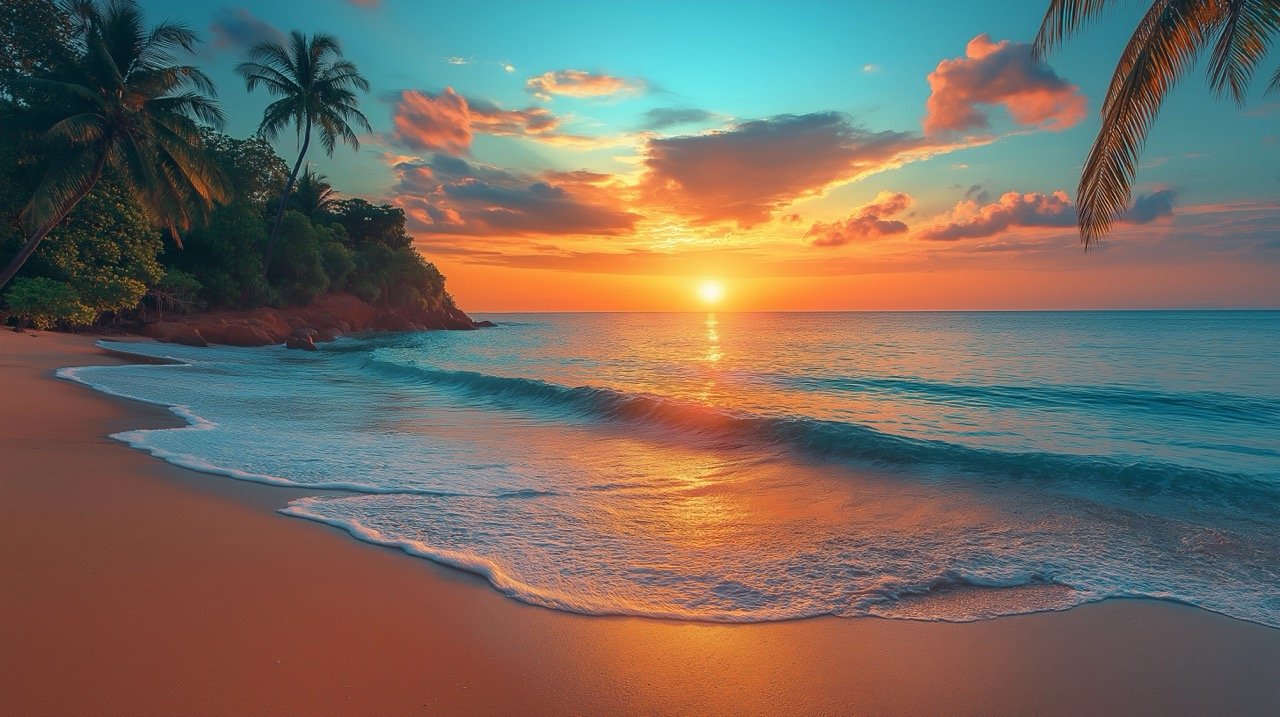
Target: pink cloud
<point>446,122</point>
<point>999,73</point>
<point>579,83</point>
<point>970,220</point>
<point>870,222</point>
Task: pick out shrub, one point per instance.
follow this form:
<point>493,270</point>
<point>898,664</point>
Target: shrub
<point>45,303</point>
<point>297,271</point>
<point>225,258</point>
<point>105,251</point>
<point>339,264</point>
<point>177,291</point>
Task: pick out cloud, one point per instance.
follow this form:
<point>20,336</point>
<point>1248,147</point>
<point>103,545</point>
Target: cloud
<point>869,222</point>
<point>746,173</point>
<point>978,193</point>
<point>999,73</point>
<point>237,28</point>
<point>970,220</point>
<point>458,60</point>
<point>871,68</point>
<point>366,3</point>
<point>668,117</point>
<point>451,196</point>
<point>1150,207</point>
<point>447,121</point>
<point>580,83</point>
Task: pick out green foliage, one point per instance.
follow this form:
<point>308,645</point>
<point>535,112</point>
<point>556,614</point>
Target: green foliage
<point>254,170</point>
<point>371,223</point>
<point>16,185</point>
<point>129,118</point>
<point>312,195</point>
<point>301,276</point>
<point>105,250</point>
<point>176,291</point>
<point>396,278</point>
<point>125,107</point>
<point>225,257</point>
<point>35,38</point>
<point>339,264</point>
<point>46,303</point>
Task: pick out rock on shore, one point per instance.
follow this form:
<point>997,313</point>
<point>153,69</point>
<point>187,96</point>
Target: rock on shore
<point>302,326</point>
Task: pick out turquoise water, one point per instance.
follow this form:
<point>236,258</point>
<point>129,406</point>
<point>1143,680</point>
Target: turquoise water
<point>747,467</point>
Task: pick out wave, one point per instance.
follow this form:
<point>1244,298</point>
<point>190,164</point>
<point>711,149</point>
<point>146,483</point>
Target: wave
<point>891,598</point>
<point>140,439</point>
<point>1202,405</point>
<point>843,441</point>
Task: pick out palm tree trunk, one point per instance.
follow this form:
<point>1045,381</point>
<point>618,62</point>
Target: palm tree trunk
<point>284,198</point>
<point>43,230</point>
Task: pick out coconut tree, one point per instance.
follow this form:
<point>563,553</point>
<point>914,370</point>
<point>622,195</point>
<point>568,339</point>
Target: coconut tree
<point>313,194</point>
<point>1171,35</point>
<point>317,89</point>
<point>127,106</point>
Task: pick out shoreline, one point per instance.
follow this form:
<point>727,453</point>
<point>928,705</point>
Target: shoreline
<point>139,586</point>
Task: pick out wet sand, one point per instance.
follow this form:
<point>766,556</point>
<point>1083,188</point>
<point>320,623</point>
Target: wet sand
<point>131,586</point>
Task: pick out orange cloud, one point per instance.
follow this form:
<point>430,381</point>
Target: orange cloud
<point>580,83</point>
<point>999,73</point>
<point>446,122</point>
<point>869,222</point>
<point>451,196</point>
<point>747,173</point>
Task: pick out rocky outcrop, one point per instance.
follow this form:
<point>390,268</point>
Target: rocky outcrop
<point>303,326</point>
<point>300,339</point>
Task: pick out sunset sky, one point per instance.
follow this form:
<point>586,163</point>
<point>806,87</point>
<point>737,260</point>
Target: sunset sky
<point>857,155</point>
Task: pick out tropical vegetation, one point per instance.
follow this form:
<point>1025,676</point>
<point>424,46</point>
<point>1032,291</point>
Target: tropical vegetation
<point>316,87</point>
<point>110,143</point>
<point>119,105</point>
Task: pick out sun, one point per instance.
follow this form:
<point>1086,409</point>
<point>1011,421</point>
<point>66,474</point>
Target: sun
<point>711,291</point>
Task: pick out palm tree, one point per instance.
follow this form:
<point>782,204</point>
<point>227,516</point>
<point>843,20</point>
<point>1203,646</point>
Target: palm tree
<point>316,87</point>
<point>125,105</point>
<point>1165,45</point>
<point>312,194</point>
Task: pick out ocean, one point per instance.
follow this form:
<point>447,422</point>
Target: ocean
<point>752,467</point>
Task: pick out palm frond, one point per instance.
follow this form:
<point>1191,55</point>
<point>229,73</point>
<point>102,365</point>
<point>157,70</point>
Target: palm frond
<point>1245,39</point>
<point>1160,52</point>
<point>1063,18</point>
<point>84,128</point>
<point>69,173</point>
<point>278,115</point>
<point>190,104</point>
<point>276,82</point>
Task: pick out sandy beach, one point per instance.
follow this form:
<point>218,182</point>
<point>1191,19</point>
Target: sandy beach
<point>132,586</point>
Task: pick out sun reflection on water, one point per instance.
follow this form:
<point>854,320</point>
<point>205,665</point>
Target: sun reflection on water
<point>713,339</point>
